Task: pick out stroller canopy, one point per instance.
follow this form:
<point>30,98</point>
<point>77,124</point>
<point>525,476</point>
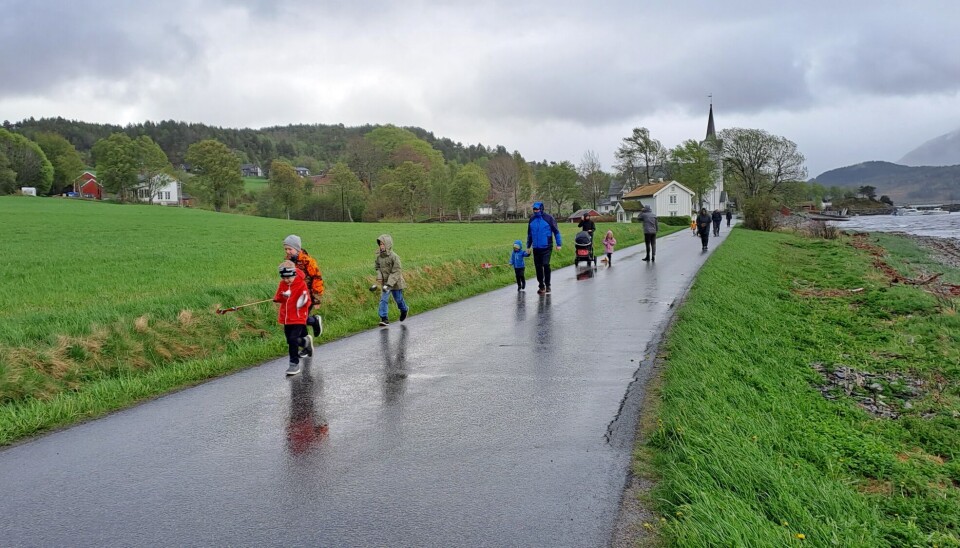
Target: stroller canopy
<point>583,238</point>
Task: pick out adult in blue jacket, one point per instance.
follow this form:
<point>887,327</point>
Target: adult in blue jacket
<point>540,233</point>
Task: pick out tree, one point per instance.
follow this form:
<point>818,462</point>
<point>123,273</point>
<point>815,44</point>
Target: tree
<point>216,170</point>
<point>594,182</point>
<point>27,160</point>
<point>470,187</point>
<point>504,180</point>
<point>867,191</point>
<point>8,177</point>
<point>116,164</point>
<point>693,167</point>
<point>558,184</point>
<point>639,155</point>
<point>66,161</point>
<point>886,200</point>
<point>152,166</point>
<point>405,186</point>
<point>757,162</point>
<point>286,186</point>
<point>525,184</point>
<point>349,188</point>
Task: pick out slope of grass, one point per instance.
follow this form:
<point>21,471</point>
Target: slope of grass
<point>753,447</point>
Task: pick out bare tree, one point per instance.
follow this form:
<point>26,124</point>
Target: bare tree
<point>594,181</point>
<point>760,162</point>
<point>504,179</point>
<point>639,155</point>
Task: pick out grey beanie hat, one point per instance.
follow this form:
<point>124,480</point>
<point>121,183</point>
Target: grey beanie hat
<point>293,241</point>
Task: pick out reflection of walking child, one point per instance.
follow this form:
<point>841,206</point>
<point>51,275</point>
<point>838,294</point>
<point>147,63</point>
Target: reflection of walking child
<point>294,299</point>
<point>519,264</point>
<point>608,242</point>
<point>390,279</point>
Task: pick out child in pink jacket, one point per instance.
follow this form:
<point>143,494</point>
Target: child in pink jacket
<point>608,242</point>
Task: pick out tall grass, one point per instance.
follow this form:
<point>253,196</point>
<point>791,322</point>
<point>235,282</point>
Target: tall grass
<point>748,451</point>
<point>102,304</point>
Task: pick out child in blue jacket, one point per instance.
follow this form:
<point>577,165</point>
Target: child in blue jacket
<point>519,264</point>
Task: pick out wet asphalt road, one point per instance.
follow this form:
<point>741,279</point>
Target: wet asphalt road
<point>502,420</point>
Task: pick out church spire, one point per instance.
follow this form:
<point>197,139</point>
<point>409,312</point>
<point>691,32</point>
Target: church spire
<point>711,131</point>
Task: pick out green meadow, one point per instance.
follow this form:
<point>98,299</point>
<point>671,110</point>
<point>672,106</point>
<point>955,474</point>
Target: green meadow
<point>103,305</point>
<point>804,400</point>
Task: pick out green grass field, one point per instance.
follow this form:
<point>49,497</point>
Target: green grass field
<point>255,184</point>
<point>102,305</point>
<point>753,443</point>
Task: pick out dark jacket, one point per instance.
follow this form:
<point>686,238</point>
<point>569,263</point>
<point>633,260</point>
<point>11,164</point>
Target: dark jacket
<point>703,223</point>
<point>587,225</point>
<point>717,216</point>
<point>540,231</point>
<point>649,220</point>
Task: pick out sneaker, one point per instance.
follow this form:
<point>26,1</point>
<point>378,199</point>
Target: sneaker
<point>309,346</point>
<point>384,322</point>
<point>293,369</point>
<point>318,329</point>
<point>403,315</point>
<point>548,289</point>
<point>541,291</point>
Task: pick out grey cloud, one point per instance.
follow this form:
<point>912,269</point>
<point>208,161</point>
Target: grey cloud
<point>46,44</point>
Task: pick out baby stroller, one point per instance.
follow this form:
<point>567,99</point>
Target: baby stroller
<point>584,249</point>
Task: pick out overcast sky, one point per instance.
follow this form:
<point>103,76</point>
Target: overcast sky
<point>848,81</point>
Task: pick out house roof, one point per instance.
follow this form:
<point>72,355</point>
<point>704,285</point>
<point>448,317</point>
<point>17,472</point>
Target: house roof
<point>631,205</point>
<point>644,191</point>
<point>581,212</point>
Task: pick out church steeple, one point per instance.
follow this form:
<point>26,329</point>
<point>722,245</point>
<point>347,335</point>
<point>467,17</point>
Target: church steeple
<point>711,131</point>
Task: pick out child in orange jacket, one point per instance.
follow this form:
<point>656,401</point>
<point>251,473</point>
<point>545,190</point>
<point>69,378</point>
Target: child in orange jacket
<point>294,299</point>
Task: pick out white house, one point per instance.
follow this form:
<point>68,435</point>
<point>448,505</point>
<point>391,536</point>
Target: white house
<point>167,192</point>
<point>665,198</point>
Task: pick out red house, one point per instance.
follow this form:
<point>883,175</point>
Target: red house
<point>87,186</point>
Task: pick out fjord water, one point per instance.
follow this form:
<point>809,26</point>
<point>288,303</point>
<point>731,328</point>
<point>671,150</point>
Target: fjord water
<point>938,226</point>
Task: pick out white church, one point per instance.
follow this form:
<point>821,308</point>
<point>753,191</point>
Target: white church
<point>715,198</point>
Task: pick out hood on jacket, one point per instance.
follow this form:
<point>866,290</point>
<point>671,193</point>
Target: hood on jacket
<point>646,209</point>
<point>518,243</point>
<point>387,242</point>
<point>609,234</point>
<point>538,205</point>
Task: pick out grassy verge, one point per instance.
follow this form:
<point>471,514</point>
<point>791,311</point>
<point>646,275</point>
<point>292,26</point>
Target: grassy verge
<point>105,305</point>
<point>805,400</point>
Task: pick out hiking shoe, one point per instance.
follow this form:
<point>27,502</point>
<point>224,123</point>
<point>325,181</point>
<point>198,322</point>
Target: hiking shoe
<point>293,369</point>
<point>541,291</point>
<point>384,322</point>
<point>309,346</point>
<point>318,329</point>
<point>403,315</point>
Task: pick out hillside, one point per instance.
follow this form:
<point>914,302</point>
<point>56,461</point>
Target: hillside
<point>940,151</point>
<point>903,184</point>
<point>302,142</point>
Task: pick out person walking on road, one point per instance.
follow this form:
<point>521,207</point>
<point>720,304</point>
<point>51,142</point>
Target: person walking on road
<point>541,230</point>
<point>390,279</point>
<point>729,216</point>
<point>717,217</point>
<point>294,299</point>
<point>650,228</point>
<point>312,277</point>
<point>703,227</point>
<point>608,244</point>
<point>519,264</point>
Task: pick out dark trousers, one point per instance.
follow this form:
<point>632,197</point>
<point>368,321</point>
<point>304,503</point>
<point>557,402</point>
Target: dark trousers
<point>521,277</point>
<point>541,261</point>
<point>705,237</point>
<point>296,339</point>
<point>728,221</point>
<point>650,241</point>
<point>716,228</point>
<point>609,259</point>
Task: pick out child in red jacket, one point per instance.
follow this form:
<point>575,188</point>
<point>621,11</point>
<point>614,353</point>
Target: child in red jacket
<point>294,299</point>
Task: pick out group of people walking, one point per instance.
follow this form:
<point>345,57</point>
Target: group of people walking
<point>701,225</point>
<point>301,283</point>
